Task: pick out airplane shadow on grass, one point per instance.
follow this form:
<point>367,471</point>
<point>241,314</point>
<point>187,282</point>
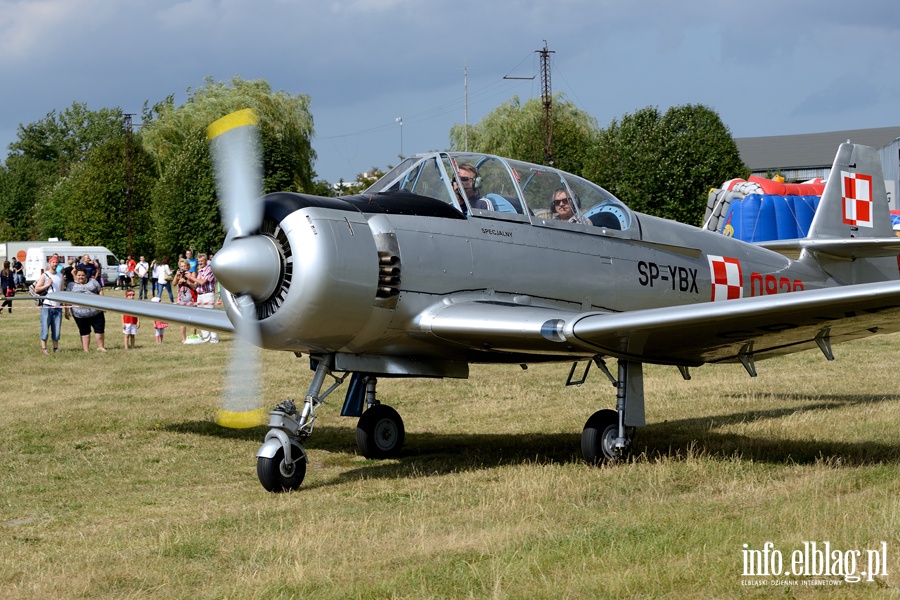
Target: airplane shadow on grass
<point>435,453</point>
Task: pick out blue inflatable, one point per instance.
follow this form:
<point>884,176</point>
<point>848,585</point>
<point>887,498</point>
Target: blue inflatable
<point>761,218</point>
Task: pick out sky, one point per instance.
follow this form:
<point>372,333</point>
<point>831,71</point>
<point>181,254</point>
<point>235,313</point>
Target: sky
<point>767,67</point>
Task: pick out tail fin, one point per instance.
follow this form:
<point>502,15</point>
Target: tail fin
<point>854,203</point>
<point>851,236</point>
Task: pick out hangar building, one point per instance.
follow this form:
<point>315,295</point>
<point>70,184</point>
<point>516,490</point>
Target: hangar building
<point>807,156</point>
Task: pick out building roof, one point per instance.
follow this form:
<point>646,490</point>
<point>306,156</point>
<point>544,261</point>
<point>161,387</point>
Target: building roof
<point>809,150</point>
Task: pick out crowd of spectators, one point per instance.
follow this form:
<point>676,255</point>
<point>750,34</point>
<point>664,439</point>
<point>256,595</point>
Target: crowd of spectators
<point>194,281</point>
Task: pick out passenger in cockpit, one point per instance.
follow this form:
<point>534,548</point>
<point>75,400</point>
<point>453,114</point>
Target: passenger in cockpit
<point>562,207</point>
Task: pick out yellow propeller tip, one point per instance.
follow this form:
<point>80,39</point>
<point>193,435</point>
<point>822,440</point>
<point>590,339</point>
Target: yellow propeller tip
<point>231,121</point>
<point>241,420</point>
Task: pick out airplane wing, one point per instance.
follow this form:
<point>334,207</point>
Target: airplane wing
<point>692,335</point>
<point>194,316</point>
<point>845,248</point>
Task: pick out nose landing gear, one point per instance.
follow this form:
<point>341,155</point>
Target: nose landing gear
<point>281,461</point>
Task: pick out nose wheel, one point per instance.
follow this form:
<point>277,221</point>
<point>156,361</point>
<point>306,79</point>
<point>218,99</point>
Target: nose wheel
<point>278,475</point>
<point>379,432</point>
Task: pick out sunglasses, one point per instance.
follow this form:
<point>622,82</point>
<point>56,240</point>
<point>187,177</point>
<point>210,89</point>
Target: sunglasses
<point>560,202</point>
<point>466,179</point>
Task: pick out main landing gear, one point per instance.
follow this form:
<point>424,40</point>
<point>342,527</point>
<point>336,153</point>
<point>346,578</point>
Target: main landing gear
<point>281,461</point>
<point>380,433</point>
<point>608,434</point>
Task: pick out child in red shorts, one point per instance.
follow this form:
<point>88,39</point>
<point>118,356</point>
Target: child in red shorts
<point>130,325</point>
<point>159,326</point>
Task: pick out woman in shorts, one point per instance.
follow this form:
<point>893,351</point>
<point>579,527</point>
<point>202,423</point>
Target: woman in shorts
<point>87,318</point>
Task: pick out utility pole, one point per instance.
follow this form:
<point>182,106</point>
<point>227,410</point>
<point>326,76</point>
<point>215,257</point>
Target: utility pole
<point>400,120</point>
<point>466,102</point>
<point>129,185</point>
<point>546,97</point>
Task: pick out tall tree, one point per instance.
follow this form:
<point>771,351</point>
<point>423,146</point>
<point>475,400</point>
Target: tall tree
<point>515,130</point>
<point>286,127</point>
<point>185,210</point>
<point>664,164</point>
<point>105,199</point>
<point>174,136</point>
<point>21,182</point>
<point>45,151</point>
<point>65,138</point>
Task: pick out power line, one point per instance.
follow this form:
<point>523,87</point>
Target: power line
<point>491,90</point>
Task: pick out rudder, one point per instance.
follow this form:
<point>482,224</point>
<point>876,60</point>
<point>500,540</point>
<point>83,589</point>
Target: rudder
<point>854,203</point>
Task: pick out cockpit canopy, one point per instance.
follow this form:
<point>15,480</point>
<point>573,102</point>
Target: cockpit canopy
<point>487,185</point>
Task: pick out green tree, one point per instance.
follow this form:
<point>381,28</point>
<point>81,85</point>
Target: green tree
<point>515,130</point>
<point>665,164</point>
<point>185,211</point>
<point>65,138</point>
<point>286,127</point>
<point>175,137</point>
<point>323,188</point>
<point>44,152</point>
<point>21,181</point>
<point>367,179</point>
<point>105,199</point>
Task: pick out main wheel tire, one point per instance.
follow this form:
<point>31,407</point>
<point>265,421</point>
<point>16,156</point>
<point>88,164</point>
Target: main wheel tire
<point>276,476</point>
<point>380,433</point>
<point>598,439</point>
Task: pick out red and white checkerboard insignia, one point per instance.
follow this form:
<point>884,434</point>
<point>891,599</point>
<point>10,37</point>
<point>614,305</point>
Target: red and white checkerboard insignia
<point>857,199</point>
<point>727,283</point>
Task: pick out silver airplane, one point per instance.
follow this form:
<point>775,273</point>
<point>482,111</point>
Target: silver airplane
<point>453,258</point>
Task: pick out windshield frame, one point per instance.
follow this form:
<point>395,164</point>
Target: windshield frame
<point>590,198</point>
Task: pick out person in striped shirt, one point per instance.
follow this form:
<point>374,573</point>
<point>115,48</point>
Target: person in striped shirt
<point>206,293</point>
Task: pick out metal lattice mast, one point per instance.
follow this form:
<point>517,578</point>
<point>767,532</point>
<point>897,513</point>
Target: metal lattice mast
<point>546,97</point>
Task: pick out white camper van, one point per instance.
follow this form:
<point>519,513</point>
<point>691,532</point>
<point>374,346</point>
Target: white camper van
<point>12,251</point>
<point>36,260</point>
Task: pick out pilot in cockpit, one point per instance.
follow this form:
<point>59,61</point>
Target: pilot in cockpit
<point>471,184</point>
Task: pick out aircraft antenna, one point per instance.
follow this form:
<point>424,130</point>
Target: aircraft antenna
<point>546,101</point>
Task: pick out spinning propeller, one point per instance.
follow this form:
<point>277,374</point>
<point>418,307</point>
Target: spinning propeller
<point>248,265</point>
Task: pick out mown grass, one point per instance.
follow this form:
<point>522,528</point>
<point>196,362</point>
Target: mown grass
<point>116,483</point>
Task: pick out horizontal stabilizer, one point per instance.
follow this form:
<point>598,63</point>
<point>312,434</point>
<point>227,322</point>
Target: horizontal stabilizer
<point>839,248</point>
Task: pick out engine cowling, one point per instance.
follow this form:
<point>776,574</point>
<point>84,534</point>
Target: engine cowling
<point>312,271</point>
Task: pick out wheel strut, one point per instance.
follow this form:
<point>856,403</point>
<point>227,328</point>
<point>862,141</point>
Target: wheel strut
<point>608,434</point>
<point>281,461</point>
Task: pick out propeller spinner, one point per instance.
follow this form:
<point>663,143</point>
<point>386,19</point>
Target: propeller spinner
<point>247,266</point>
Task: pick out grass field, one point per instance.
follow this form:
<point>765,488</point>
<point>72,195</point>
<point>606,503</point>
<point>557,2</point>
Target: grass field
<point>116,483</point>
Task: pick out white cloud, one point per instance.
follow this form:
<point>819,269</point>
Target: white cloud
<point>29,28</point>
<point>768,67</point>
<point>191,14</point>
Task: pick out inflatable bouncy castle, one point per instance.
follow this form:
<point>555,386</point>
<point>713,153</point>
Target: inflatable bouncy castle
<point>759,209</point>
